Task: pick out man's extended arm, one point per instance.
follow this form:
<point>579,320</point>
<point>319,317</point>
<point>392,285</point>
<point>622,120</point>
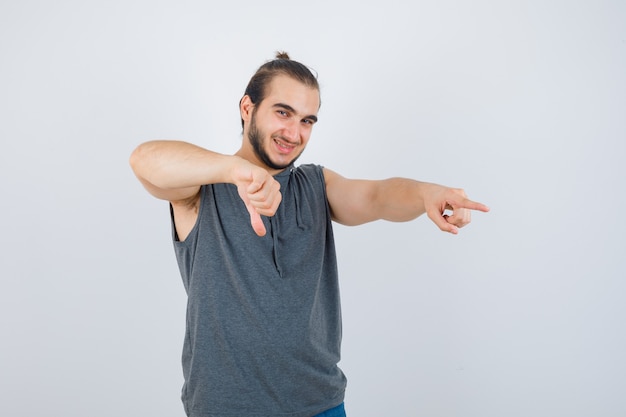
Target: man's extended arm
<point>174,171</point>
<point>354,202</point>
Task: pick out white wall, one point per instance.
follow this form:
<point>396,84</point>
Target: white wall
<point>521,103</point>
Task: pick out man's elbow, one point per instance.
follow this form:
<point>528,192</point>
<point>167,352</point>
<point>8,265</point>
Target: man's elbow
<point>137,158</point>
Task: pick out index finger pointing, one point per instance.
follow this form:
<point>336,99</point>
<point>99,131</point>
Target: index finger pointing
<point>472,205</point>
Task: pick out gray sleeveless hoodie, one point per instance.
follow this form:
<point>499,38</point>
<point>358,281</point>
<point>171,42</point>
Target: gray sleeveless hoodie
<point>263,328</point>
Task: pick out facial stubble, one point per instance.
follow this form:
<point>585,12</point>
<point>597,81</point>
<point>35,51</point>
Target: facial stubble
<point>255,136</point>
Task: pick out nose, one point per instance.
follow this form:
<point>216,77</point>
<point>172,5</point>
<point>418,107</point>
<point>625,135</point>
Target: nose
<point>292,131</point>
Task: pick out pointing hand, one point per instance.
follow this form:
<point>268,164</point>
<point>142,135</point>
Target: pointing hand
<point>440,199</point>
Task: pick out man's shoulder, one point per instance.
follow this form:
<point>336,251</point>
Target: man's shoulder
<point>310,170</point>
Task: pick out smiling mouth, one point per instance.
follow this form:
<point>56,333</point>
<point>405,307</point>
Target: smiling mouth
<point>283,145</point>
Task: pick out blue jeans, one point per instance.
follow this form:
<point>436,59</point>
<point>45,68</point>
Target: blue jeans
<point>338,411</point>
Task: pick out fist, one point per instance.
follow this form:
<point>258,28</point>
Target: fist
<point>259,191</point>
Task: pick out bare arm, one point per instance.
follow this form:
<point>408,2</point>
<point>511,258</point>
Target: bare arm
<point>174,171</point>
<point>354,202</point>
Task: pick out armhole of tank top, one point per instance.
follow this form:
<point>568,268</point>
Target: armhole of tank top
<point>320,170</point>
<point>194,229</point>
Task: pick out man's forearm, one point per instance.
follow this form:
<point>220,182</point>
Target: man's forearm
<point>405,199</point>
<point>400,199</point>
<point>176,165</point>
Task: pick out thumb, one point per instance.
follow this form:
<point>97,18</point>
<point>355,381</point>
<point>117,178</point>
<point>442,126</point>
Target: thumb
<point>441,221</point>
<point>256,221</point>
<point>250,186</point>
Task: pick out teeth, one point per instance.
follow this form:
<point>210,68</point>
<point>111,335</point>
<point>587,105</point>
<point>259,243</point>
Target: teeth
<point>284,144</point>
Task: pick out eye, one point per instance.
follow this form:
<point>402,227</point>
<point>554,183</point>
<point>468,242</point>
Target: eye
<point>282,113</point>
<point>308,122</point>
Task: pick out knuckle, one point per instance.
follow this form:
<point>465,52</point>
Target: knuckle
<point>264,205</point>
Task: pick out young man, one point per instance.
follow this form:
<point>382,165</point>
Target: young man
<point>253,239</point>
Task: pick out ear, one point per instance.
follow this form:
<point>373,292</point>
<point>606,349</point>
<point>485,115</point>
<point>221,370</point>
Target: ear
<point>245,108</point>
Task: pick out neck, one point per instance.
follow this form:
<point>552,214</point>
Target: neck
<point>250,156</point>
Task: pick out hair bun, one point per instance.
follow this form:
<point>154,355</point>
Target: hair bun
<point>282,55</point>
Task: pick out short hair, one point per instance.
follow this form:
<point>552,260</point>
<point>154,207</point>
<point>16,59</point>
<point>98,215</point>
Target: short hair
<point>281,65</point>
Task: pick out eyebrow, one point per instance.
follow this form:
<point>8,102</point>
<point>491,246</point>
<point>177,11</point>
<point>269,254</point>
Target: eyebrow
<point>292,110</point>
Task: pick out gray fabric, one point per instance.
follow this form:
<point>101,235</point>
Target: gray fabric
<point>263,316</point>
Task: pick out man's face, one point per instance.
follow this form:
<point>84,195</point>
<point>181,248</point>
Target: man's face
<point>280,126</point>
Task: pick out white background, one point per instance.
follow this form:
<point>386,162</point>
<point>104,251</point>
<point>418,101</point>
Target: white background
<point>523,104</point>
